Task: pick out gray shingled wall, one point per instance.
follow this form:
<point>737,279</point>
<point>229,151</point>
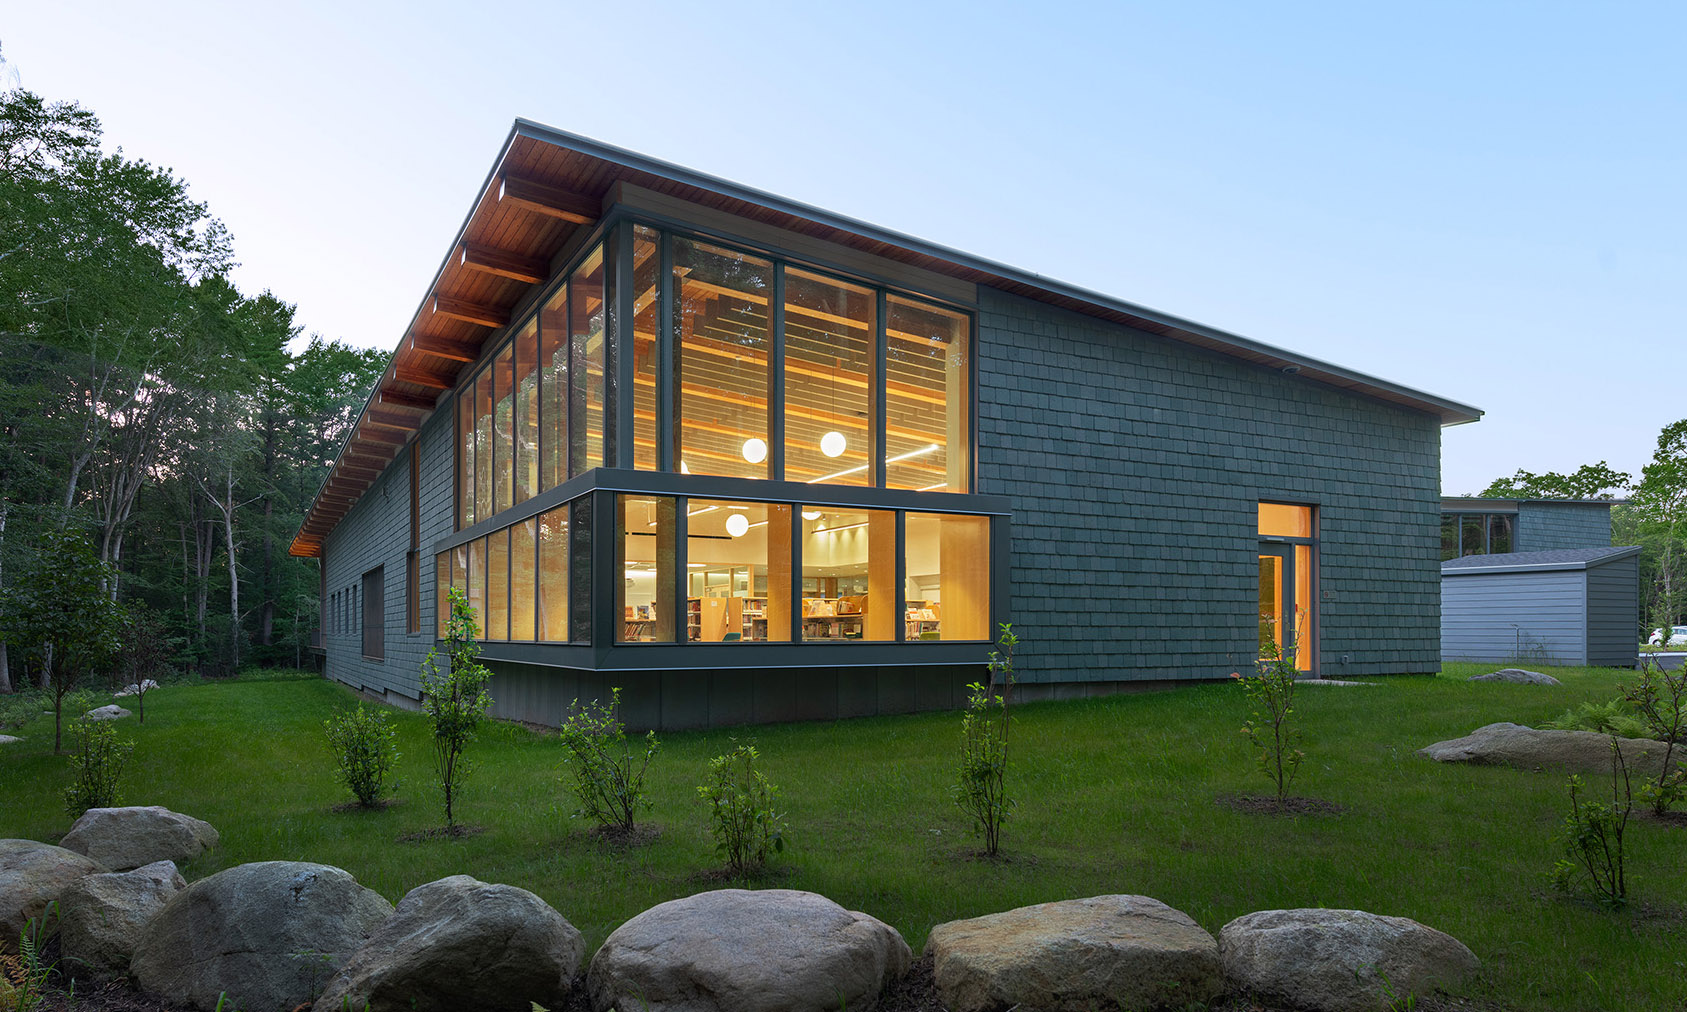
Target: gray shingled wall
<point>1550,526</point>
<point>1135,467</point>
<point>377,533</point>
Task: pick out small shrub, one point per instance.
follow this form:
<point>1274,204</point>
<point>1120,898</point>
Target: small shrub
<point>746,827</point>
<point>96,765</point>
<point>365,748</point>
<point>981,783</point>
<point>1593,838</point>
<point>1660,700</point>
<point>608,775</point>
<point>455,700</point>
<point>1272,691</point>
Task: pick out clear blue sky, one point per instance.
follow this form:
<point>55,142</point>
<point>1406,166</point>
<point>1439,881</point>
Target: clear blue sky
<point>1481,200</point>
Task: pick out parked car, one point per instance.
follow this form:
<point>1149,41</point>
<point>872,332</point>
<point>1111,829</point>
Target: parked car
<point>1677,637</point>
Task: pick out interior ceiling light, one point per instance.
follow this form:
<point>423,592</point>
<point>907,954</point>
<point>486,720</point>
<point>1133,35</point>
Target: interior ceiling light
<point>812,514</point>
<point>833,444</point>
<point>755,450</point>
<point>683,469</point>
<point>737,524</point>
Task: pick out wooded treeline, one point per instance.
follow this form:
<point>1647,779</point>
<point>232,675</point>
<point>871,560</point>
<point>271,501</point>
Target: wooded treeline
<point>1652,514</point>
<point>179,425</point>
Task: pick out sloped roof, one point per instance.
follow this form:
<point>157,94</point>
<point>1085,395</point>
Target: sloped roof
<point>548,184</point>
<point>1523,562</point>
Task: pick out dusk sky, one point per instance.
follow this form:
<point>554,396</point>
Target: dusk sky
<point>1484,201</point>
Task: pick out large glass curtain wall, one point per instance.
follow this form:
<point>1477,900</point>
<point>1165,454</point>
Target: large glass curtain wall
<point>868,387</point>
<point>532,417</point>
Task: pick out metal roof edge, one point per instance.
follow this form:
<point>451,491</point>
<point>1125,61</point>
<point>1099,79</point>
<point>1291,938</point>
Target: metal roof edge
<point>1451,412</point>
<point>1541,567</point>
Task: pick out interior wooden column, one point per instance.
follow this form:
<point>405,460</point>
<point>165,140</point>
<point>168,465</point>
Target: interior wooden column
<point>667,577</point>
<point>778,574</point>
<point>964,560</point>
<point>881,575</point>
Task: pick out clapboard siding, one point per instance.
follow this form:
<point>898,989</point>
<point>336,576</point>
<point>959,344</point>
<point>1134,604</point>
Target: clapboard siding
<point>1538,617</point>
<point>1613,612</point>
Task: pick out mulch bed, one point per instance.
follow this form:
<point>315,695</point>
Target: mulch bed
<point>442,833</point>
<point>1255,804</point>
<point>358,806</point>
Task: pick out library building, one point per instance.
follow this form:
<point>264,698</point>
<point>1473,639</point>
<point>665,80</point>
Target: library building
<point>751,461</point>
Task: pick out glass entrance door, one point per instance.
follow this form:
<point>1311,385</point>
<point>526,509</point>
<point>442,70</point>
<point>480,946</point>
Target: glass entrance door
<point>1277,610</point>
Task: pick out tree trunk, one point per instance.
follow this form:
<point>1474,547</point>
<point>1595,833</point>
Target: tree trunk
<point>5,658</point>
<point>233,577</point>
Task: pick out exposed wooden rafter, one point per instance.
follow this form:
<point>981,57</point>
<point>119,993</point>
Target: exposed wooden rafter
<point>406,373</point>
<point>469,312</point>
<point>503,263</point>
<point>439,347</point>
<point>408,402</point>
<point>376,418</point>
<point>543,198</point>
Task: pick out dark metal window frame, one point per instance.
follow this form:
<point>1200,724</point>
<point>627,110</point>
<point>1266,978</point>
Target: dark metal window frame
<point>1313,612</point>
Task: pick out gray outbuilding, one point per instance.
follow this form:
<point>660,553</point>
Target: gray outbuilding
<point>1573,606</point>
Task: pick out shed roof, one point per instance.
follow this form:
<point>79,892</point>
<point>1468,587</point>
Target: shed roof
<point>547,184</point>
<point>1534,562</point>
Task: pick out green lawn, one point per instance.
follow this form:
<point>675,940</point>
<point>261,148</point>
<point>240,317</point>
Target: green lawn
<point>1116,795</point>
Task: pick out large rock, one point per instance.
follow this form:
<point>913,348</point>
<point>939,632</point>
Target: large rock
<point>735,950</point>
<point>1528,748</point>
<point>125,838</point>
<point>1103,952</point>
<point>33,875</point>
<point>1516,676</point>
<point>110,711</point>
<point>1337,960</point>
<point>270,934</point>
<point>105,915</point>
<point>460,944</point>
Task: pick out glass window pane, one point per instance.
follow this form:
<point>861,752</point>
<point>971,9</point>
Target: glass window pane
<point>1282,521</point>
<point>721,360</point>
<point>1499,533</point>
<point>948,577</point>
<point>1475,535</point>
<point>1449,537</point>
<point>441,592</point>
<point>497,623</point>
<point>644,550</point>
<point>553,576</point>
<point>521,580</point>
<point>828,380</point>
<point>646,267</point>
<point>483,445</point>
<point>527,412</point>
<point>927,430</point>
<point>477,583</point>
<point>849,574</point>
<point>553,390</point>
<point>738,571</point>
<point>580,594</point>
<point>586,323</point>
<point>503,430</point>
<point>465,458</point>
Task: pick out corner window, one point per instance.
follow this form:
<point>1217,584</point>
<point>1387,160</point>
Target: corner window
<point>645,558</point>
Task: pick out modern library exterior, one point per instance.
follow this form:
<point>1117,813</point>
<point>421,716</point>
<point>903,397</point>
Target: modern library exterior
<point>753,461</point>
